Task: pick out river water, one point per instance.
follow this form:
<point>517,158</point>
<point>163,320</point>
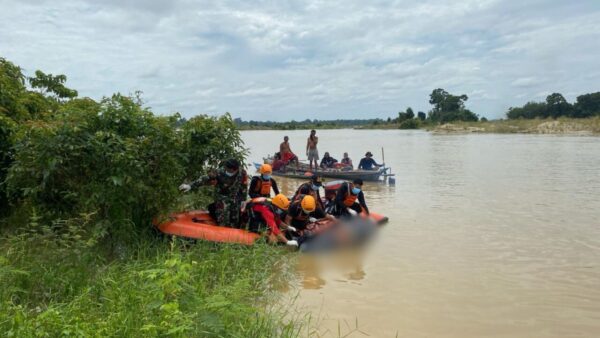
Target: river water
<point>489,235</point>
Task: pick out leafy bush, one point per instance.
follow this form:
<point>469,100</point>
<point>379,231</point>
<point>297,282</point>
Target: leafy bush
<point>409,124</point>
<point>208,140</point>
<point>113,159</point>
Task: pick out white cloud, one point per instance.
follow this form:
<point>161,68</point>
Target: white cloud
<point>315,59</point>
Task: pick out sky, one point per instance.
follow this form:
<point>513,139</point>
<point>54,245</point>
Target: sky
<point>286,59</point>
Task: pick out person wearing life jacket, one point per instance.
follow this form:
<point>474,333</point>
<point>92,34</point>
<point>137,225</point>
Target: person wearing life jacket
<point>271,213</point>
<point>260,186</point>
<point>350,197</point>
<point>304,211</point>
<point>311,188</point>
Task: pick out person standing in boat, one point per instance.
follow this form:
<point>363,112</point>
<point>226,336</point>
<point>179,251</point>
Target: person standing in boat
<point>368,163</point>
<point>347,162</point>
<point>272,214</point>
<point>231,190</point>
<point>328,161</point>
<point>311,149</point>
<point>311,188</point>
<point>261,185</point>
<point>349,199</point>
<point>286,153</point>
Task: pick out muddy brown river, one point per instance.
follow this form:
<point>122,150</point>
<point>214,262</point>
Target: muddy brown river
<point>489,235</point>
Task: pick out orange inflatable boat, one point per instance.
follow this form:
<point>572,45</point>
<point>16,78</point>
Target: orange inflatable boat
<point>199,224</point>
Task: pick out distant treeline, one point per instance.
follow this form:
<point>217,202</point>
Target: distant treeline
<point>556,105</point>
<point>306,124</point>
<point>446,108</point>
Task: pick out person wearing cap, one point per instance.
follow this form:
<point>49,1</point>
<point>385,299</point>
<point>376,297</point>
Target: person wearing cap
<point>349,199</point>
<point>261,185</point>
<point>272,214</point>
<point>368,163</point>
<point>311,188</point>
<point>304,211</point>
<point>327,161</point>
<point>230,191</point>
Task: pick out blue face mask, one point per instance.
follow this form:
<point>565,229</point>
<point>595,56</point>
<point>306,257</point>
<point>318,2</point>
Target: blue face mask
<point>355,190</point>
<point>315,187</point>
<point>279,211</point>
<point>266,177</point>
<point>230,174</point>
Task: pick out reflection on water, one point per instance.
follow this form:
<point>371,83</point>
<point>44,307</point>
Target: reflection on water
<point>489,235</point>
<point>341,267</point>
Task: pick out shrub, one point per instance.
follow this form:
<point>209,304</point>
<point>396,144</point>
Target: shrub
<point>114,159</point>
<point>409,124</point>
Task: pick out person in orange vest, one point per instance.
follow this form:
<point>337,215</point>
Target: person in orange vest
<point>350,199</point>
<point>304,211</point>
<point>270,213</point>
<point>312,188</point>
<point>260,186</point>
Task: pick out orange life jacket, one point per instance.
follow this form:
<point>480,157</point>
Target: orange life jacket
<point>302,216</point>
<point>263,187</point>
<point>350,198</point>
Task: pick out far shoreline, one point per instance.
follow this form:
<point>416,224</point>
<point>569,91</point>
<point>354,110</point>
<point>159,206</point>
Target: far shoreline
<point>561,126</point>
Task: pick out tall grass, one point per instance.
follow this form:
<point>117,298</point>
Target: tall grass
<point>58,281</point>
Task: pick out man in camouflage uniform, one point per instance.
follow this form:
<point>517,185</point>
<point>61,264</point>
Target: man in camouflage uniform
<point>231,189</point>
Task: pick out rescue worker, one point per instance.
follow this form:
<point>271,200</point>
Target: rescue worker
<point>311,188</point>
<point>368,163</point>
<point>304,211</point>
<point>270,213</point>
<point>350,199</point>
<point>231,189</point>
<point>260,186</point>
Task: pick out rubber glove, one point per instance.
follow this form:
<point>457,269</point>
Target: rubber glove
<point>312,219</point>
<point>352,212</point>
<point>292,229</point>
<point>292,243</point>
<point>185,187</point>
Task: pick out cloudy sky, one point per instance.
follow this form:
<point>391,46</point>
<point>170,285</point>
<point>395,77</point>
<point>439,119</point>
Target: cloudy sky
<point>288,59</point>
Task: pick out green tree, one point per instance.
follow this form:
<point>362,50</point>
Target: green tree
<point>557,106</point>
<point>409,113</point>
<point>587,105</point>
<point>50,84</point>
<point>448,107</point>
<point>530,110</point>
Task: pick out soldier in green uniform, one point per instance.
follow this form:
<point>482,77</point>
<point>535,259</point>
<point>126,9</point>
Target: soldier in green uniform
<point>231,189</point>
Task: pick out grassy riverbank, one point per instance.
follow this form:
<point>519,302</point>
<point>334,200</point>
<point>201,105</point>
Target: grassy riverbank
<point>563,125</point>
<point>80,182</point>
<point>69,285</point>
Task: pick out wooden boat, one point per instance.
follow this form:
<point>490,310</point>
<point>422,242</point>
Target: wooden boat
<point>303,170</point>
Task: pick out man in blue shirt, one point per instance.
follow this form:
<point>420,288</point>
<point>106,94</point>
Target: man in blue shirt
<point>368,163</point>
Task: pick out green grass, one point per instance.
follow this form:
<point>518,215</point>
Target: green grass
<point>58,282</point>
